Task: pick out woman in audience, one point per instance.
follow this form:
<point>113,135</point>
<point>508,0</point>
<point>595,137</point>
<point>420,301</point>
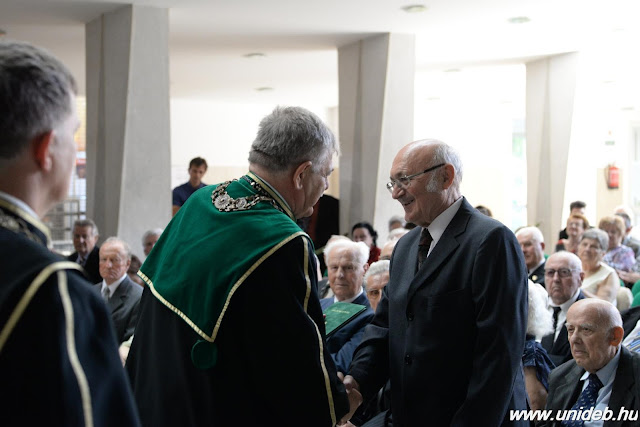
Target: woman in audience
<point>576,224</point>
<point>600,280</point>
<point>618,256</point>
<point>364,232</point>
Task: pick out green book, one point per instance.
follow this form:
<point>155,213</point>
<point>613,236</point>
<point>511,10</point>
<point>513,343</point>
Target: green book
<point>339,314</point>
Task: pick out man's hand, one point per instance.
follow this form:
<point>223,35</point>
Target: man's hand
<point>353,393</point>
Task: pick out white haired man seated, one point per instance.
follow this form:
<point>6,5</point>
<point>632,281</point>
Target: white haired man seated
<point>375,279</point>
<point>346,264</point>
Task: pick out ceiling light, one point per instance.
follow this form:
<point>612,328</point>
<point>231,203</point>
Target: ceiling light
<point>628,108</point>
<point>518,20</point>
<point>414,8</point>
<point>255,55</point>
<point>452,70</point>
<point>433,98</point>
<point>264,89</point>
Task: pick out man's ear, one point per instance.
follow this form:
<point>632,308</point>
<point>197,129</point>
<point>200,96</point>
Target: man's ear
<point>617,334</point>
<point>41,148</point>
<point>447,176</point>
<point>299,173</point>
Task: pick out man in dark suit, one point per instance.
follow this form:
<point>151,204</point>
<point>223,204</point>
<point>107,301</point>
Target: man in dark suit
<point>85,237</point>
<point>564,277</point>
<point>347,264</point>
<point>120,293</point>
<point>604,376</point>
<point>532,244</point>
<point>449,331</point>
<point>55,337</point>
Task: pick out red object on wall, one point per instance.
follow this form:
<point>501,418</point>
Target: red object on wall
<point>613,176</point>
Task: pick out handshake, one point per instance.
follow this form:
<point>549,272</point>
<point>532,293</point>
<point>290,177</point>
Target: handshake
<point>355,398</point>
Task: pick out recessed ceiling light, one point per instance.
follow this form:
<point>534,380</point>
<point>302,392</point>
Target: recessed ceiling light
<point>433,98</point>
<point>414,8</point>
<point>518,20</point>
<point>628,108</point>
<point>608,82</point>
<point>254,55</point>
<point>452,70</point>
<point>264,89</point>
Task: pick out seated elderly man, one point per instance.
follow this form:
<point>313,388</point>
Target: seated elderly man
<point>347,264</point>
<point>602,380</point>
<point>563,271</point>
<point>121,295</point>
<point>375,279</point>
<point>532,245</point>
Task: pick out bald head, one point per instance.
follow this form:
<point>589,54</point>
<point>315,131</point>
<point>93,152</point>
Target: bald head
<point>595,332</point>
<point>563,276</point>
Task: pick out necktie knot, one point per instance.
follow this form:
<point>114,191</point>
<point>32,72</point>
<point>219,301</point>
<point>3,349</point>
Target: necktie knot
<point>586,401</point>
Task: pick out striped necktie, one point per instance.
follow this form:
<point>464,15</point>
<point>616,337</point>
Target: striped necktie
<point>423,246</point>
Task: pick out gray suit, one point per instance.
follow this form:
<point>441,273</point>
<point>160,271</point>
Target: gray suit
<point>565,387</point>
<point>124,307</point>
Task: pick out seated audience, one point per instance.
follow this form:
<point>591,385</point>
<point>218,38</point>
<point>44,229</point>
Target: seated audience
<point>600,280</point>
<point>387,249</point>
<point>364,232</point>
<point>618,256</point>
<point>85,236</point>
<point>532,245</point>
<point>149,239</point>
<point>576,224</point>
<point>324,290</point>
<point>347,264</point>
<point>121,295</point>
<point>564,277</point>
<point>603,375</point>
<point>576,207</point>
<point>536,361</point>
<point>375,279</point>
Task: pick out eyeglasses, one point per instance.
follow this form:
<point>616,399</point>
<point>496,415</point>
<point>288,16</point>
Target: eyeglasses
<point>562,272</point>
<point>405,181</point>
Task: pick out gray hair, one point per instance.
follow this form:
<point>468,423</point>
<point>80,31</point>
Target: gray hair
<point>599,236</point>
<point>36,91</point>
<point>149,233</point>
<point>376,268</point>
<point>290,136</point>
<point>87,223</point>
<point>444,153</point>
<point>125,245</point>
<point>359,249</point>
<point>573,261</point>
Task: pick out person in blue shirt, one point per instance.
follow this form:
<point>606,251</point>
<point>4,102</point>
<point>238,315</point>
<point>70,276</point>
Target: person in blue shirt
<point>197,169</point>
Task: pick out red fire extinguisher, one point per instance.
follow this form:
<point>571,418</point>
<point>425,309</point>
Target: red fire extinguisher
<point>612,176</point>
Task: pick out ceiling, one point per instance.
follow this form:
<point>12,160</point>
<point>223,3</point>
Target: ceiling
<point>208,39</point>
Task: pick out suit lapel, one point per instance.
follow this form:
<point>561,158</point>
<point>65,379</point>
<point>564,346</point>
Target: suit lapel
<point>567,392</point>
<point>120,295</point>
<point>442,250</point>
<point>623,382</point>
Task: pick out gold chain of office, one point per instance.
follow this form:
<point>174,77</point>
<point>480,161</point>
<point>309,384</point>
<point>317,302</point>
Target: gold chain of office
<point>225,203</point>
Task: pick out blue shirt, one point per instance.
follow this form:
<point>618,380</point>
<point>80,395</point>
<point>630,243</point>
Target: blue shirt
<point>182,192</point>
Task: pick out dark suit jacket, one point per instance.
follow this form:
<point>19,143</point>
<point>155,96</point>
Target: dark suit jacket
<point>451,336</point>
<point>559,351</point>
<point>630,320</point>
<point>565,387</point>
<point>344,341</point>
<point>92,266</point>
<point>124,306</point>
<point>537,275</point>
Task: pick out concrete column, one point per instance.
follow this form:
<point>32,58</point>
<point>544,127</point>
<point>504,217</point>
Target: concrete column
<point>551,86</point>
<point>376,81</point>
<point>128,138</point>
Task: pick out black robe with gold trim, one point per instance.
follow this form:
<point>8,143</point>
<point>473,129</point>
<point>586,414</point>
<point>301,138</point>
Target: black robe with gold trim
<point>59,362</point>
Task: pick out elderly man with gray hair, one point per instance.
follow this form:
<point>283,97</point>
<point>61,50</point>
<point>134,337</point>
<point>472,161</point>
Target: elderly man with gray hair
<point>230,304</point>
<point>375,280</point>
<point>531,242</point>
<point>346,266</point>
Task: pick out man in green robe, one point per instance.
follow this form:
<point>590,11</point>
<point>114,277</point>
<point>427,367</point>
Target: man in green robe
<point>231,331</point>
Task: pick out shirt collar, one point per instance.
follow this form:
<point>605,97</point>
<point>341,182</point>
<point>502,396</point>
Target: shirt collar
<point>568,303</point>
<point>438,225</point>
<point>112,287</point>
<point>335,299</point>
<point>608,372</point>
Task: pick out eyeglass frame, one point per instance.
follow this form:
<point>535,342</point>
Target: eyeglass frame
<point>551,272</point>
<point>397,182</point>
